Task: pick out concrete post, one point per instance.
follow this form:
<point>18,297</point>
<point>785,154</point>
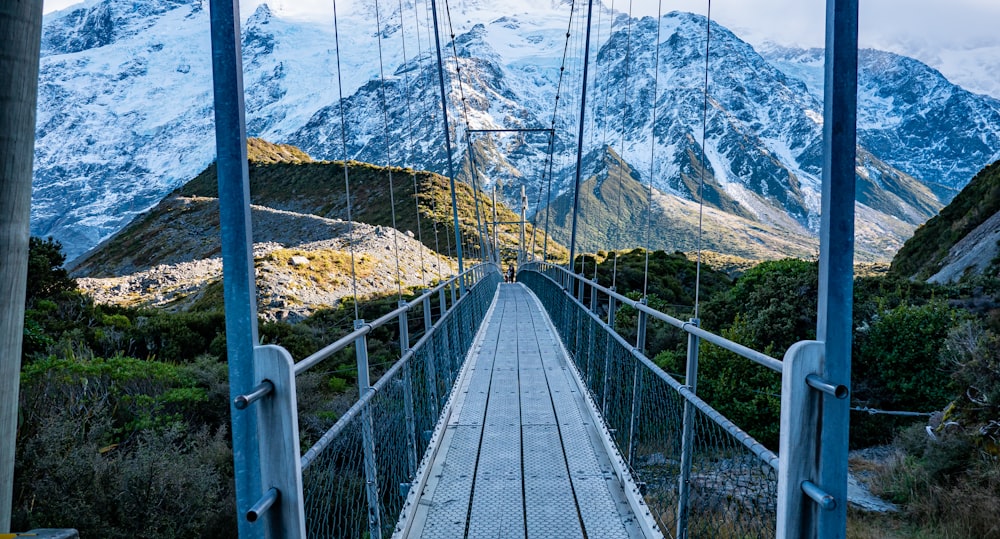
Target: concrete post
<point>20,43</point>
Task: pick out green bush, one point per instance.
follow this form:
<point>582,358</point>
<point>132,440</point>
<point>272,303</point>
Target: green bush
<point>122,447</point>
<point>743,391</point>
<point>776,301</point>
<point>899,366</point>
<point>46,275</point>
<point>169,484</point>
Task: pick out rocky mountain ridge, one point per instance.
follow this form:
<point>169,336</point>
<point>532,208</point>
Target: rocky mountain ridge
<point>125,101</point>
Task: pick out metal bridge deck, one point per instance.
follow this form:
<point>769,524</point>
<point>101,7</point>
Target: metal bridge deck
<point>522,455</point>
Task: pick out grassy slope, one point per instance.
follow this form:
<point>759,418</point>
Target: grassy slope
<point>317,188</point>
<point>615,216</point>
<point>285,178</point>
<point>923,254</point>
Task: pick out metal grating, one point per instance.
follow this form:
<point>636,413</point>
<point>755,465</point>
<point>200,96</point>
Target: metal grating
<point>522,456</point>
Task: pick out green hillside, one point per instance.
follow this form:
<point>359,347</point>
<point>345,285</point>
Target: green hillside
<point>284,178</point>
<point>613,210</point>
<point>924,254</point>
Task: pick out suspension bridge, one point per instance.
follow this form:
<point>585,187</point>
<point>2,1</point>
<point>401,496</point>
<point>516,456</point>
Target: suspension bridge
<point>519,409</point>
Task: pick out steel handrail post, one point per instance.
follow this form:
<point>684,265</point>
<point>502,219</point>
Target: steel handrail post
<point>607,355</point>
<point>431,366</point>
<point>640,344</point>
<point>591,339</point>
<point>368,435</point>
<point>411,422</point>
<point>687,438</point>
<point>803,394</point>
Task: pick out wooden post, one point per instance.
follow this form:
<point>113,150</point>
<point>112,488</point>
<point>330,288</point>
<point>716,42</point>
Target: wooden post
<point>20,41</point>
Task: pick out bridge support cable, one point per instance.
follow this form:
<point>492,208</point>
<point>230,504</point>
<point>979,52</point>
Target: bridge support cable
<point>347,176</point>
<point>447,139</point>
<point>836,260</point>
<point>652,149</point>
<point>388,150</point>
<point>704,164</point>
<point>409,133</point>
<point>619,231</point>
<point>579,142</point>
<point>239,289</point>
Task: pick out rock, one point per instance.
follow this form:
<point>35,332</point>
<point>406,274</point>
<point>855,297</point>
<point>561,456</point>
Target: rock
<point>859,496</point>
<point>299,261</point>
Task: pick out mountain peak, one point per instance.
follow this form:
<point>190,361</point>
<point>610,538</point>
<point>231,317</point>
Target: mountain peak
<point>261,15</point>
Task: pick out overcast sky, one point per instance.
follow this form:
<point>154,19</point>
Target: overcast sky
<point>958,37</point>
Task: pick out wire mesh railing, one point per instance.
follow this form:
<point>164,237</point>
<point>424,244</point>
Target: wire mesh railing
<point>355,476</point>
<point>701,475</point>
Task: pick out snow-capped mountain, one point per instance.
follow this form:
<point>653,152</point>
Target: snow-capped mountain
<point>910,115</point>
<point>125,108</point>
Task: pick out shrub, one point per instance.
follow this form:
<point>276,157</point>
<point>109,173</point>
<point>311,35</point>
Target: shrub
<point>122,447</point>
<point>743,391</point>
<point>776,301</point>
<point>900,366</point>
<point>946,487</point>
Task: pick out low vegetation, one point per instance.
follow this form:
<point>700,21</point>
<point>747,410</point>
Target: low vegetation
<point>924,348</point>
<point>318,188</point>
<point>124,414</point>
<point>124,411</point>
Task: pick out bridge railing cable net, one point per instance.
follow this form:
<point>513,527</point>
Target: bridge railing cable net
<point>700,474</point>
<point>352,480</point>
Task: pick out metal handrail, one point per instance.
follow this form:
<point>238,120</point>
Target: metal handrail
<point>758,449</point>
<point>722,342</point>
<point>349,339</point>
<point>333,432</point>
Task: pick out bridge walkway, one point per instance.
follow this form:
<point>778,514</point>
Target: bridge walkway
<point>522,454</point>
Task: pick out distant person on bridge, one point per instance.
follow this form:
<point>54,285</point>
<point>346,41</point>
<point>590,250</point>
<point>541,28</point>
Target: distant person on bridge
<point>509,278</point>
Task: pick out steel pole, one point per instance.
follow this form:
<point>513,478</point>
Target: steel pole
<point>447,140</point>
<point>836,259</point>
<point>579,141</point>
<point>524,213</point>
<point>483,241</point>
<point>687,434</point>
<point>368,435</point>
<point>239,290</point>
<point>496,244</point>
